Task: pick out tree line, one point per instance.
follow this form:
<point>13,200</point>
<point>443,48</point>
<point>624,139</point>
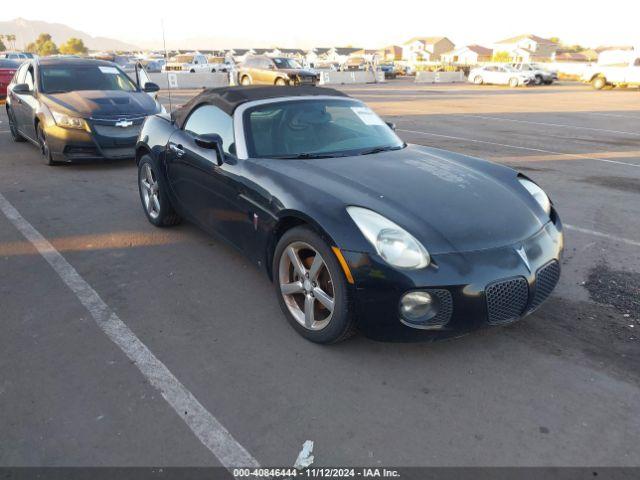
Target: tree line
<point>44,45</point>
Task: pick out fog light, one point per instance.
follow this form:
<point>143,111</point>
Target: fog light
<point>418,307</point>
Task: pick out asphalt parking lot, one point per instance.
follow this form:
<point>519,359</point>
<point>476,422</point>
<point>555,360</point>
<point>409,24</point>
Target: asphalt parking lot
<point>561,387</point>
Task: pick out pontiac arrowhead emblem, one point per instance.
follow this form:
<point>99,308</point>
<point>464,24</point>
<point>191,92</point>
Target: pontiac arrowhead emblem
<point>123,123</point>
<point>523,255</point>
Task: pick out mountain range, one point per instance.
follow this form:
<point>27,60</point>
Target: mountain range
<point>26,32</point>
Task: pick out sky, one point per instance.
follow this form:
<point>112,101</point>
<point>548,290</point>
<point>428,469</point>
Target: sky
<point>305,24</point>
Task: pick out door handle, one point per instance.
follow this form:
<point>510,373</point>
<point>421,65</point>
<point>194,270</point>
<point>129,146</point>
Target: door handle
<point>177,149</point>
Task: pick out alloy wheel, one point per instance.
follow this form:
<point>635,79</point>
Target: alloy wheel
<point>306,286</point>
<point>150,191</point>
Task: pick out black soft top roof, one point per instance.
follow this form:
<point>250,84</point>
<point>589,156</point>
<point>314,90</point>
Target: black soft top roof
<point>229,98</point>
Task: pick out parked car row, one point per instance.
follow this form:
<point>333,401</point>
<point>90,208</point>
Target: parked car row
<point>197,63</point>
<point>8,69</point>
<point>274,170</point>
<point>513,75</point>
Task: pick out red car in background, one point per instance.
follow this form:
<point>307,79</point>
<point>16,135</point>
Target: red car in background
<point>7,70</point>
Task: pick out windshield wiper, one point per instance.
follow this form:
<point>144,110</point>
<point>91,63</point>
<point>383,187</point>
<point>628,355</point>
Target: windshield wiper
<point>307,155</point>
<point>380,149</point>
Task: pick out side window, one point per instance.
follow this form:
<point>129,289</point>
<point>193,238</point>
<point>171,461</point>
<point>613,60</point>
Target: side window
<point>209,119</point>
<point>28,79</point>
<point>249,62</point>
<point>21,73</point>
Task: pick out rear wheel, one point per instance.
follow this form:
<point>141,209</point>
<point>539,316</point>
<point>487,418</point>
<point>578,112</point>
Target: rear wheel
<point>13,128</point>
<point>154,199</point>
<point>478,80</point>
<point>44,146</point>
<point>599,83</point>
<point>513,82</point>
<point>312,288</point>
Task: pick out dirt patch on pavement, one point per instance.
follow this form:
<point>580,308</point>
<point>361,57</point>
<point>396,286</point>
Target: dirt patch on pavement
<point>623,184</point>
<point>619,289</point>
<point>603,335</point>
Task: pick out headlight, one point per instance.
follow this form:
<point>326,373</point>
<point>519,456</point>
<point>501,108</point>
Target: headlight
<point>67,121</point>
<point>537,193</point>
<point>394,244</point>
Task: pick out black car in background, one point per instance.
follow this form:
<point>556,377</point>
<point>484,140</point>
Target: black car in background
<point>263,70</point>
<point>78,109</point>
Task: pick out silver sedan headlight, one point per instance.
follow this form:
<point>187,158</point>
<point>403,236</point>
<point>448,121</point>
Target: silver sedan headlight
<point>393,243</point>
<point>537,193</point>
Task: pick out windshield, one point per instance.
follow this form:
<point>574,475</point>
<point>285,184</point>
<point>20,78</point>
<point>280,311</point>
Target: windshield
<point>286,63</point>
<point>69,78</point>
<point>316,128</point>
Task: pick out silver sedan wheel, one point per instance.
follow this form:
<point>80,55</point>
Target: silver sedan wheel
<point>306,286</point>
<point>149,189</point>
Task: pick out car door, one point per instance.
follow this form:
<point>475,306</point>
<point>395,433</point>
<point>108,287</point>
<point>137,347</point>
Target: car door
<point>207,190</point>
<point>27,105</point>
<point>633,73</point>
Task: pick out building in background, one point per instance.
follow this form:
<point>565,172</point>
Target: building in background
<point>527,48</point>
<point>468,55</point>
<point>426,49</point>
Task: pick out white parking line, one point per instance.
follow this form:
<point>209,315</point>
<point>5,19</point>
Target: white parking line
<point>603,235</point>
<point>502,119</point>
<point>203,424</point>
<point>471,140</point>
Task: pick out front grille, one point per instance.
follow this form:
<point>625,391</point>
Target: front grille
<point>506,300</point>
<point>123,152</point>
<point>546,280</point>
<point>111,131</point>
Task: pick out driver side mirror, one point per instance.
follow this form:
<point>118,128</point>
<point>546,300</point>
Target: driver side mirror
<point>211,141</point>
<point>22,89</point>
<point>391,125</point>
<point>151,87</point>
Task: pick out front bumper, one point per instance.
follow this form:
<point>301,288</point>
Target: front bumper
<point>476,289</point>
<point>104,140</point>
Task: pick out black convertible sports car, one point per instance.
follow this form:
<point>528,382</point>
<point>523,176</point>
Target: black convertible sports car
<point>357,229</point>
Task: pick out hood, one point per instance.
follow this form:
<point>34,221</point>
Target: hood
<point>297,71</point>
<point>451,202</point>
<point>100,103</point>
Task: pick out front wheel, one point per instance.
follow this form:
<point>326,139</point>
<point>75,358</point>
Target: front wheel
<point>478,80</point>
<point>538,80</point>
<point>599,83</point>
<point>13,127</point>
<point>155,201</point>
<point>513,82</point>
<point>45,151</point>
<point>245,81</point>
<point>312,288</point>
<point>280,82</point>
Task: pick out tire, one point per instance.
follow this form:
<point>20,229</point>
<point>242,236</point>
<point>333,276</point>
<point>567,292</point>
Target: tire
<point>192,71</point>
<point>280,82</point>
<point>160,214</point>
<point>478,80</point>
<point>245,81</point>
<point>513,82</point>
<point>538,80</point>
<point>45,151</point>
<point>306,244</point>
<point>599,83</point>
<point>15,135</point>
